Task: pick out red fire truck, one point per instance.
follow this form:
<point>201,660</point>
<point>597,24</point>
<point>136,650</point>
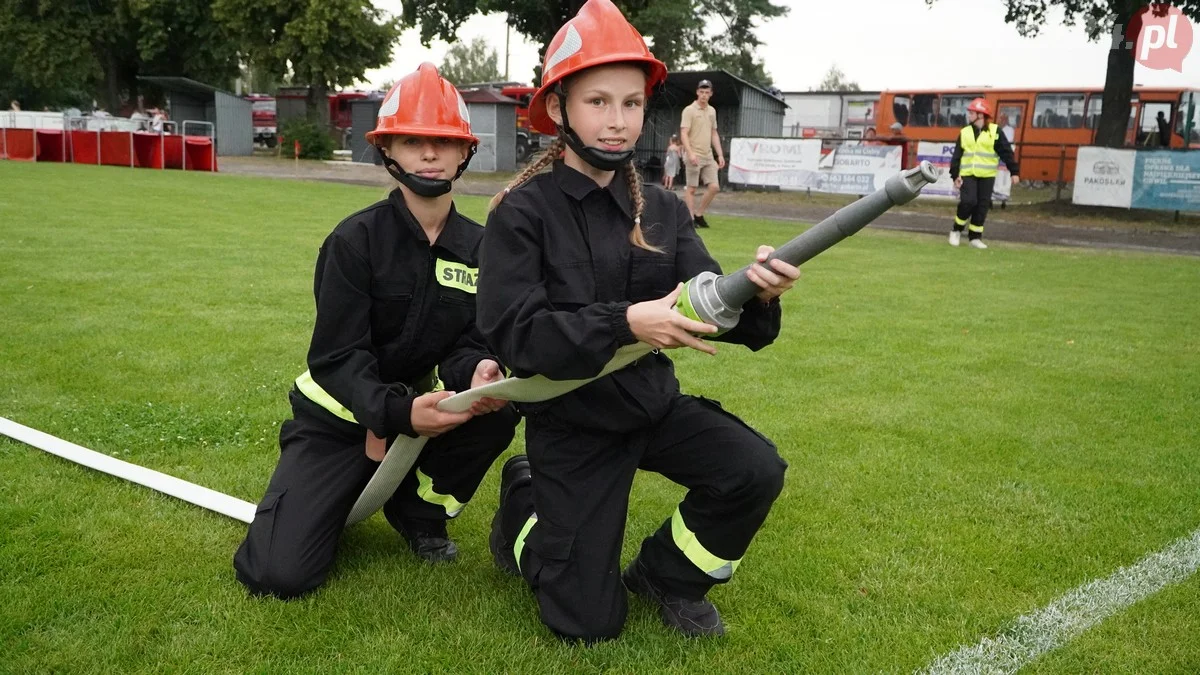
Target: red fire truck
<point>262,110</point>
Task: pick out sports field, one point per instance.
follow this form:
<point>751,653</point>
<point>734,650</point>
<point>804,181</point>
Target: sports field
<point>972,435</point>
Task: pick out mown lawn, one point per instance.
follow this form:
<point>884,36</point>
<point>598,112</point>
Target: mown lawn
<point>971,434</point>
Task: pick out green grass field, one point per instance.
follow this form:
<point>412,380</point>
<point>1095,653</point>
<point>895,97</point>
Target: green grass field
<point>971,435</point>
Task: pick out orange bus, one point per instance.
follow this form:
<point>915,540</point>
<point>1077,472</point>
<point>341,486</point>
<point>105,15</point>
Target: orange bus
<point>1046,126</point>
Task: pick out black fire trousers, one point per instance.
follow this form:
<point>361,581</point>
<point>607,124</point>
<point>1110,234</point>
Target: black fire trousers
<point>580,493</point>
<point>323,467</point>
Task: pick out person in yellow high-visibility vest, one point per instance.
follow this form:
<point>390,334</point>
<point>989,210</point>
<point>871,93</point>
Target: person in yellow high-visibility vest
<point>977,155</point>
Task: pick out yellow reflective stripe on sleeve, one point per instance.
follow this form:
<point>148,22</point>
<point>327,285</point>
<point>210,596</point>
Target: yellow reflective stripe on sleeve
<point>309,387</point>
<point>685,539</point>
<point>519,544</point>
<point>425,491</point>
<point>315,393</point>
<point>456,275</point>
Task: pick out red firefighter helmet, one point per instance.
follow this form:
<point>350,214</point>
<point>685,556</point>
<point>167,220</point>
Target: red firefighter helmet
<point>599,34</point>
<point>980,105</point>
<point>423,104</point>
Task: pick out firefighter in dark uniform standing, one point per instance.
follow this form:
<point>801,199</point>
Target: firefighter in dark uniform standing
<point>977,155</point>
<point>395,291</point>
<point>578,262</point>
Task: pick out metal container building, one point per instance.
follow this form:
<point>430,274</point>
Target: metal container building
<point>743,109</point>
<point>230,115</point>
<point>494,120</point>
<point>363,114</point>
<point>836,114</point>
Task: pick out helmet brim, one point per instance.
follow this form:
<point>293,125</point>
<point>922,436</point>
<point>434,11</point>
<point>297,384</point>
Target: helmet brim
<point>540,120</point>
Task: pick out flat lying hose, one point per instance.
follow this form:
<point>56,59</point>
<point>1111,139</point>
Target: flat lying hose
<point>188,492</point>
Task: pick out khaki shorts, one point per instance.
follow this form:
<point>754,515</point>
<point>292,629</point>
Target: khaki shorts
<point>704,172</point>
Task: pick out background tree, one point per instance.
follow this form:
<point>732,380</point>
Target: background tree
<point>71,51</point>
<point>676,27</point>
<point>320,44</point>
<point>45,59</point>
<point>836,80</point>
<point>468,62</point>
<point>1101,19</point>
<point>736,48</point>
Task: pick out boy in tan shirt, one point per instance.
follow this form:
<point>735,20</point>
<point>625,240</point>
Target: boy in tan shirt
<point>698,130</point>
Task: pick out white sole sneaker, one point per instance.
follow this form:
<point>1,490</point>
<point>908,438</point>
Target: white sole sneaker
<point>977,243</point>
<point>954,238</point>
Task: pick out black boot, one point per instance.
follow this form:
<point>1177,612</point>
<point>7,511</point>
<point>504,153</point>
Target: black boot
<point>515,474</point>
<point>429,540</point>
<point>693,618</point>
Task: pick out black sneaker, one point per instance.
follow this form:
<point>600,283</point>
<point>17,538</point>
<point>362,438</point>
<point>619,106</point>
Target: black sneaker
<point>515,473</point>
<point>429,540</point>
<point>700,221</point>
<point>693,618</point>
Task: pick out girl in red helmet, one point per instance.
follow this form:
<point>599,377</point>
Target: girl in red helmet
<point>977,154</point>
<point>577,262</point>
<point>395,291</point>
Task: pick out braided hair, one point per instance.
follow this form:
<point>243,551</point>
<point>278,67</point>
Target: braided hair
<point>632,179</point>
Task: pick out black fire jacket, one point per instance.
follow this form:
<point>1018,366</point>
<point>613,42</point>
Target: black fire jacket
<point>558,273</point>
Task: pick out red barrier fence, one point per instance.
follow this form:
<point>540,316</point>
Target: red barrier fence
<point>199,154</point>
<point>85,147</point>
<point>21,145</point>
<point>112,148</point>
<point>51,145</point>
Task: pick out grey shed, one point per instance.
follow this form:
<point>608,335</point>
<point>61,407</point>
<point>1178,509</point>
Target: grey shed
<point>230,115</point>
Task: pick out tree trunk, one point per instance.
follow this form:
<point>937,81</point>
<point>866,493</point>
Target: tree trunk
<point>318,110</point>
<point>112,83</point>
<point>1118,89</point>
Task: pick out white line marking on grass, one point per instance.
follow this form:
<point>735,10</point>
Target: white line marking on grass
<point>1067,617</point>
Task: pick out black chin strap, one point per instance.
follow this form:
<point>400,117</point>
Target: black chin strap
<point>601,159</point>
<point>421,186</point>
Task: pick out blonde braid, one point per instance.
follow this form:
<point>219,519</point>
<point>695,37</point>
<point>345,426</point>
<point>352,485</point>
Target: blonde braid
<point>636,236</point>
<point>544,160</point>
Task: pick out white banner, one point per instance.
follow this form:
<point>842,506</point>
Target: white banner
<point>779,162</point>
<point>1104,177</point>
<point>797,164</point>
<point>857,169</point>
<point>939,154</point>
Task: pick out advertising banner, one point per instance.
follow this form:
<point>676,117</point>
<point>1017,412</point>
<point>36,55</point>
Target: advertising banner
<point>1104,177</point>
<point>787,163</point>
<point>1166,180</point>
<point>857,169</point>
<point>797,164</point>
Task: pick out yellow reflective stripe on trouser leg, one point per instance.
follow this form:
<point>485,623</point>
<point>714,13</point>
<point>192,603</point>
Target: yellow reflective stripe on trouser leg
<point>313,391</point>
<point>685,539</point>
<point>425,491</point>
<point>975,228</point>
<point>519,544</point>
<point>960,221</point>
